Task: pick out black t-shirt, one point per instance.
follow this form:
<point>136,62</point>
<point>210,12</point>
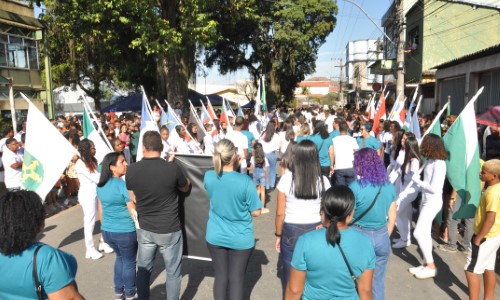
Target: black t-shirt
<point>155,184</point>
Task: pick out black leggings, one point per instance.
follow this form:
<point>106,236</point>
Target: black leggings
<point>229,267</point>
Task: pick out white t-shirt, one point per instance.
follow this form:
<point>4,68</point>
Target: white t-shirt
<point>266,162</point>
<point>272,145</point>
<point>12,176</point>
<point>240,141</point>
<point>300,211</point>
<point>329,122</point>
<point>385,139</point>
<point>344,146</point>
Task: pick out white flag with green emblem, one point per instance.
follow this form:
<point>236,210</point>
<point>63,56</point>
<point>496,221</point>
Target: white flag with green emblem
<point>463,165</point>
<point>46,154</point>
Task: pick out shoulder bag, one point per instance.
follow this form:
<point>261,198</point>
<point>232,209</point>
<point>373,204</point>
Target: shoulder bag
<point>366,211</point>
<point>353,277</point>
<point>38,285</point>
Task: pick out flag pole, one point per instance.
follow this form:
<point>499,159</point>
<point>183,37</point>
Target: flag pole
<point>180,123</point>
<point>193,110</point>
<point>436,119</point>
<point>471,102</point>
<point>94,117</point>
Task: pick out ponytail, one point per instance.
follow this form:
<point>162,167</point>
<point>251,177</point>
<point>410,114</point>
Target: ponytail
<point>332,232</point>
<point>224,153</point>
<point>337,205</point>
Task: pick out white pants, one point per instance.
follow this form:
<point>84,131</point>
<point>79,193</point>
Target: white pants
<point>89,206</point>
<point>405,212</point>
<point>429,208</point>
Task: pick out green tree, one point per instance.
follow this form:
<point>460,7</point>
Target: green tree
<point>149,42</point>
<point>278,38</point>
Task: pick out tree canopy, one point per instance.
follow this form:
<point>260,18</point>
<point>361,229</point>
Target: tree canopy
<point>159,43</point>
<point>280,38</point>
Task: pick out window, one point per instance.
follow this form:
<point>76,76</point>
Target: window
<point>412,41</point>
<point>18,52</point>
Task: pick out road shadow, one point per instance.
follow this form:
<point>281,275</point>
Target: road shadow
<point>254,271</point>
<point>197,270</point>
<point>78,235</point>
<point>445,278</point>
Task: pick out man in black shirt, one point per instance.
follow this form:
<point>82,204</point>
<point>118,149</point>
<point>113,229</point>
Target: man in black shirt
<point>153,184</point>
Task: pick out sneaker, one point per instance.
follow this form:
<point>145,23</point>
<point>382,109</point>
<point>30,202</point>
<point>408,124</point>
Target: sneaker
<point>67,203</point>
<point>60,207</point>
<point>447,248</point>
<point>135,297</point>
<point>264,210</point>
<point>120,296</point>
<point>93,254</point>
<point>416,270</point>
<point>105,247</point>
<point>426,273</point>
<point>401,244</point>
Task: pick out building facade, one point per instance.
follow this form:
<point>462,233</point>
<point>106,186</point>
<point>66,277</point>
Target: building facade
<point>20,40</point>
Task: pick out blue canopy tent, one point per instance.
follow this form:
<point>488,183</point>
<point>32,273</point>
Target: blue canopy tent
<point>196,97</point>
<point>130,103</point>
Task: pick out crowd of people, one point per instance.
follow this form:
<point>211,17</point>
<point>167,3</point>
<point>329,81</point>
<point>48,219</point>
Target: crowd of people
<point>342,185</point>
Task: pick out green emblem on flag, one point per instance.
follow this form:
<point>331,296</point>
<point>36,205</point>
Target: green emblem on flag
<point>32,172</point>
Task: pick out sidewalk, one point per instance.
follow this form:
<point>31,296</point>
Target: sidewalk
<point>95,278</point>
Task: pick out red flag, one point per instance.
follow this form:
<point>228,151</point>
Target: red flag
<point>402,116</point>
<point>211,110</point>
<point>223,114</point>
<point>380,112</point>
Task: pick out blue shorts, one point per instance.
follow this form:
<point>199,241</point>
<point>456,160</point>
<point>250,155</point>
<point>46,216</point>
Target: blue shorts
<point>259,176</point>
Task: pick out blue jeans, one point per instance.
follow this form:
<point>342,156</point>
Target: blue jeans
<point>125,246</point>
<point>289,236</point>
<point>343,176</point>
<point>259,176</point>
<point>272,157</point>
<point>382,246</point>
<point>170,246</point>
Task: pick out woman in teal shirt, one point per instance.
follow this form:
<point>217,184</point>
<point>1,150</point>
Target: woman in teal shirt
<point>319,270</point>
<point>230,236</point>
<point>118,228</point>
<point>22,217</point>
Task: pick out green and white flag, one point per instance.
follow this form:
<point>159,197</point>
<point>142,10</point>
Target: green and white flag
<point>46,154</point>
<point>462,166</point>
<point>89,132</point>
<point>435,126</point>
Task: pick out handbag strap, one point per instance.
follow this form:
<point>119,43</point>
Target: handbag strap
<point>366,211</point>
<point>38,286</point>
<point>353,277</point>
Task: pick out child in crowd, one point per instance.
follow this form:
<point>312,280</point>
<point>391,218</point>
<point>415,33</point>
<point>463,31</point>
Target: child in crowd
<point>260,165</point>
<point>486,239</point>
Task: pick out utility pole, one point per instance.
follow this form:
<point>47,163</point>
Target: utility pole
<point>341,91</point>
<point>400,83</point>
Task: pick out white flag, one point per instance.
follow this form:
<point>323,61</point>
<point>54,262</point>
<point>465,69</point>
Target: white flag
<point>47,153</point>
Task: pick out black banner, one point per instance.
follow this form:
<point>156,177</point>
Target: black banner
<point>194,205</point>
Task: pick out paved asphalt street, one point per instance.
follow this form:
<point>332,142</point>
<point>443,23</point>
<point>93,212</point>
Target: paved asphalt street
<point>95,278</point>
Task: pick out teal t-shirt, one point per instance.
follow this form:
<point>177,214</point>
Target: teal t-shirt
<point>55,269</point>
<point>322,145</point>
<point>327,275</point>
<point>370,142</point>
<point>233,197</point>
<point>334,134</point>
<point>250,138</point>
<point>302,138</point>
<point>115,215</point>
<point>364,195</point>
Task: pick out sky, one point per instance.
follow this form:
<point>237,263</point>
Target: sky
<point>352,24</point>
